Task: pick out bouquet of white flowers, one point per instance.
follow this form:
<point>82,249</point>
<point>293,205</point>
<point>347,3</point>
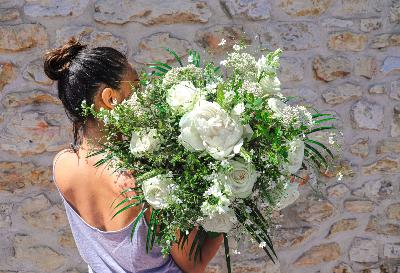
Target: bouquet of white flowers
<point>215,148</point>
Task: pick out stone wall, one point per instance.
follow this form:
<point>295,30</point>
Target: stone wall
<point>342,56</point>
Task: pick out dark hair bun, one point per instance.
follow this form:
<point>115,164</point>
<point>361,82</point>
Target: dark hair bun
<point>57,61</point>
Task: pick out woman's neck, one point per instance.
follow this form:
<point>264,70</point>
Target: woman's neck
<point>92,136</point>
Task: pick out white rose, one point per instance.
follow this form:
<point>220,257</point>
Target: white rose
<point>208,127</point>
<point>241,179</point>
<point>221,223</point>
<point>144,141</point>
<point>182,96</point>
<point>270,86</point>
<point>295,156</point>
<point>277,106</point>
<point>156,191</point>
<point>290,196</point>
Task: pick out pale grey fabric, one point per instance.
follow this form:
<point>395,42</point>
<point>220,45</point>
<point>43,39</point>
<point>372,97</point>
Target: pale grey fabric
<point>113,251</point>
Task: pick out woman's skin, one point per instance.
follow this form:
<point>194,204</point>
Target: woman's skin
<point>90,190</point>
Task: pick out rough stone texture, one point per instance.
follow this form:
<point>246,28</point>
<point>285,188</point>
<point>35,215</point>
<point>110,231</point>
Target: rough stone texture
<point>385,40</point>
<point>305,8</point>
<point>342,268</point>
<point>377,89</point>
<point>33,133</point>
<point>5,215</point>
<point>342,226</point>
<point>292,69</point>
<point>367,115</point>
<point>360,147</point>
<point>319,254</point>
<point>9,15</point>
<point>41,256</point>
<point>337,191</point>
<point>340,56</point>
<point>150,48</point>
<point>349,8</point>
<point>34,72</point>
<point>374,188</point>
<point>142,11</point>
<point>314,211</point>
<point>359,206</point>
<point>18,175</point>
<point>7,74</point>
<point>210,38</point>
<point>251,9</point>
<point>383,165</point>
<point>371,24</point>
<point>364,250</point>
<point>34,97</point>
<point>366,66</point>
<point>377,226</point>
<point>45,8</point>
<point>92,37</point>
<point>291,237</point>
<point>331,68</point>
<point>390,64</point>
<point>342,93</point>
<point>393,211</point>
<point>22,37</point>
<point>395,90</point>
<point>391,251</point>
<point>290,36</point>
<point>395,124</point>
<point>347,41</point>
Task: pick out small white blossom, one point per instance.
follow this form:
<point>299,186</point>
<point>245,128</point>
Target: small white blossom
<point>237,47</point>
<point>222,43</point>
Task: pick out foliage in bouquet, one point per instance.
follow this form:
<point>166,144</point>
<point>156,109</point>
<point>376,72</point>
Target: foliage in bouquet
<point>213,147</point>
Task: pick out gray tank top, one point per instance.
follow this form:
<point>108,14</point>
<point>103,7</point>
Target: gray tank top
<point>113,251</point>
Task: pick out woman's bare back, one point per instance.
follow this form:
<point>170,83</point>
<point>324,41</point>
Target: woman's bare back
<point>90,190</point>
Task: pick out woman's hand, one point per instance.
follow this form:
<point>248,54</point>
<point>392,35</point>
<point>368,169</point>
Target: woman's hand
<point>208,251</point>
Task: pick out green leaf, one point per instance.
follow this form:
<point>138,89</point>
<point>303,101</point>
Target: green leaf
<point>155,225</point>
<point>317,153</point>
<point>199,246</point>
<point>137,197</point>
<point>127,207</point>
<point>320,129</point>
<point>168,67</point>
<point>227,256</point>
<point>150,230</point>
<point>173,53</point>
<point>323,120</point>
<point>159,68</point>
<point>140,215</point>
<point>321,145</point>
<point>320,115</point>
<point>220,95</point>
<point>195,241</point>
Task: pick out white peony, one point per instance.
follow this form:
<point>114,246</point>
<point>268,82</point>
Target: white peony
<point>240,179</point>
<point>182,96</point>
<point>277,106</point>
<point>221,223</point>
<point>291,195</point>
<point>295,156</point>
<point>156,191</point>
<point>143,141</point>
<point>208,127</point>
<point>270,86</point>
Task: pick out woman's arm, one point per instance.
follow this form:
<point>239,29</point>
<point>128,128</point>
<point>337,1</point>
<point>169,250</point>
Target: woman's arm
<point>208,251</point>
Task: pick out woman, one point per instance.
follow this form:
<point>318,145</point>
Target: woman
<point>103,76</point>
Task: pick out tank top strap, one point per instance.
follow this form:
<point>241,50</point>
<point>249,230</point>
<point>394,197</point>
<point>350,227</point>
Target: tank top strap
<point>54,165</point>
